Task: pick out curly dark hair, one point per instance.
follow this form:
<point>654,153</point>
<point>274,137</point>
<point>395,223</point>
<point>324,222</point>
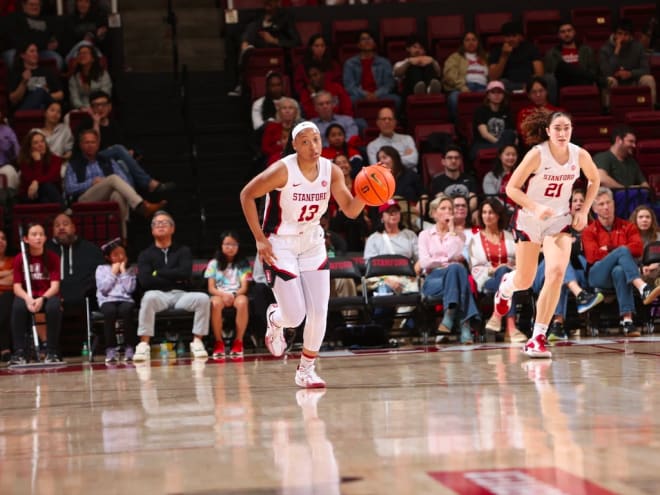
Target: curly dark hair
<point>535,124</point>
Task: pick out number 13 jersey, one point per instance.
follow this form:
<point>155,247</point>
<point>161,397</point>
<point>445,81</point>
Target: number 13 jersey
<point>297,207</point>
<point>552,183</point>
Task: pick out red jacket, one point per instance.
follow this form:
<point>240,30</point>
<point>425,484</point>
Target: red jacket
<point>41,173</point>
<point>623,233</point>
<point>342,102</point>
<point>300,79</point>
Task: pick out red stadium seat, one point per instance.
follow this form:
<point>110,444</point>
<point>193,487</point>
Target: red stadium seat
<point>596,146</point>
<point>516,102</point>
<point>596,39</point>
<point>444,34</point>
<point>75,118</point>
<point>426,109</point>
<point>393,29</point>
<point>654,182</point>
<point>423,131</point>
<point>263,60</point>
<point>540,22</point>
<point>345,31</point>
<point>25,120</point>
<point>645,124</point>
<point>489,24</point>
<point>467,104</point>
<point>648,155</point>
<point>306,29</point>
<point>368,109</point>
<point>483,163</point>
<point>639,14</point>
<point>587,20</point>
<point>432,165</point>
<point>624,99</point>
<point>580,100</point>
<point>592,128</point>
<point>346,52</point>
<point>98,222</point>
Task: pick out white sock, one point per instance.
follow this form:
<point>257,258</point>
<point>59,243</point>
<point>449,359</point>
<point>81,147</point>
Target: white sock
<point>539,329</point>
<point>641,290</point>
<point>306,362</point>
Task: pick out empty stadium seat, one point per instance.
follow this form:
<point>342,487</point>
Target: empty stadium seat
<point>648,155</point>
<point>580,100</point>
<point>639,14</point>
<point>98,222</point>
<point>426,109</point>
<point>306,29</point>
<point>483,163</point>
<point>25,120</point>
<point>432,165</point>
<point>592,128</point>
<point>345,31</point>
<point>624,99</point>
<point>395,29</point>
<point>517,101</point>
<point>489,24</point>
<point>540,22</point>
<point>587,20</point>
<point>646,124</point>
<point>467,104</point>
<point>44,213</point>
<point>262,60</point>
<point>444,34</point>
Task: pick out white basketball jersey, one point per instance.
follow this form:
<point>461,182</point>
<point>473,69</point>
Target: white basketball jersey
<point>299,205</point>
<point>551,184</point>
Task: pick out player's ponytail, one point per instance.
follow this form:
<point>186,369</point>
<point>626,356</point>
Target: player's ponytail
<point>534,126</point>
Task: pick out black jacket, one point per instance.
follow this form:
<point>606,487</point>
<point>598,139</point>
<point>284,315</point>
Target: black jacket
<point>78,263</point>
<point>165,270</point>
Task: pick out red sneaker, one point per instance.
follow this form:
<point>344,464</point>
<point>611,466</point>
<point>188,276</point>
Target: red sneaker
<point>535,347</point>
<point>237,349</point>
<point>219,350</point>
<point>502,304</point>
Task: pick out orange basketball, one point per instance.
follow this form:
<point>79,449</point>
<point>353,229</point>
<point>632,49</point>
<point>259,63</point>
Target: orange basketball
<point>374,185</point>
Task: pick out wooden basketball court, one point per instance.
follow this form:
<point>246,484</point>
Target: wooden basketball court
<point>450,420</point>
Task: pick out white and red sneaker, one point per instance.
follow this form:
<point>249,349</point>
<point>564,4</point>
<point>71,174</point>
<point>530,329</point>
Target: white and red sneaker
<point>306,377</point>
<point>502,305</point>
<point>274,340</point>
<point>535,347</point>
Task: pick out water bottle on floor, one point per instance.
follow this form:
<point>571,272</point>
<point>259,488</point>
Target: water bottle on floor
<point>85,352</point>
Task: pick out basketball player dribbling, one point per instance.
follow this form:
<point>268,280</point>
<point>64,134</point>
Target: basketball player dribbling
<point>541,188</point>
<point>291,242</point>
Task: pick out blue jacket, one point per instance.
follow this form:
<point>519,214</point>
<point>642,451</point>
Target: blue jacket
<point>382,70</point>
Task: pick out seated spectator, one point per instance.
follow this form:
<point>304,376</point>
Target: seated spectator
<point>31,86</point>
<point>41,181</point>
<point>462,220</point>
<point>88,77</point>
<point>441,259</point>
<point>619,169</point>
<point>6,298</point>
<point>79,259</point>
<point>408,183</point>
<point>491,254</point>
<point>87,24</point>
<point>44,273</point>
<point>92,177</point>
<point>9,149</point>
<point>352,229</point>
<point>575,279</point>
<point>274,27</point>
<point>58,133</point>
<point>324,109</point>
<point>537,91</point>
<point>276,132</point>
<point>264,108</point>
<point>495,181</point>
<point>611,245</point>
<point>624,62</point>
<point>419,73</point>
<point>115,285</point>
<point>464,70</point>
<point>335,135</point>
<point>647,223</point>
<point>164,272</point>
<point>453,181</point>
<point>316,55</point>
<point>492,123</point>
<point>341,102</point>
<point>368,76</point>
<point>228,277</point>
<point>113,146</point>
<point>29,25</point>
<point>391,238</point>
<point>571,62</point>
<point>403,143</point>
<point>515,61</point>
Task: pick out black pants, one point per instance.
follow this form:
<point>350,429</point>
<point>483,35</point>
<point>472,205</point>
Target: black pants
<point>20,320</point>
<point>415,74</point>
<point>47,193</point>
<point>6,300</point>
<point>124,310</point>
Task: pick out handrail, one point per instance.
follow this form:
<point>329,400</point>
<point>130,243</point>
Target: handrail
<point>172,20</point>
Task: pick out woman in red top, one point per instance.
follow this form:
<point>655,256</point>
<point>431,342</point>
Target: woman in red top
<point>45,283</point>
<point>6,296</point>
<point>317,52</point>
<point>40,170</point>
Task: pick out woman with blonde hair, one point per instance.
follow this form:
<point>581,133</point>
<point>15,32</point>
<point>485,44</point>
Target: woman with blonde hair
<point>276,133</point>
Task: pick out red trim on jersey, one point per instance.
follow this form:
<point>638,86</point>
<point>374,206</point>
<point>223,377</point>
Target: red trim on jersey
<point>273,215</point>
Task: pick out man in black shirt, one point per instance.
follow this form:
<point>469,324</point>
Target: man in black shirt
<point>32,87</point>
<point>164,272</point>
<point>452,182</point>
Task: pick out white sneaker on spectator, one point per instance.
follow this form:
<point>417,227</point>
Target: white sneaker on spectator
<point>274,340</point>
<point>197,349</point>
<point>142,352</point>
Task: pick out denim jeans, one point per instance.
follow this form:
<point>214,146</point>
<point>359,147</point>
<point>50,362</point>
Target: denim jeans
<point>452,284</point>
<point>493,284</point>
<point>617,270</point>
<point>571,274</point>
<point>136,174</point>
<point>36,99</point>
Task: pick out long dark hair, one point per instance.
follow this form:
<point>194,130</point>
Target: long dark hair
<point>19,65</point>
<point>239,260</point>
<point>95,71</point>
<point>25,153</point>
<point>268,109</point>
<point>344,147</point>
<point>325,64</point>
<point>498,168</point>
<point>26,230</point>
<point>498,208</point>
<point>397,164</point>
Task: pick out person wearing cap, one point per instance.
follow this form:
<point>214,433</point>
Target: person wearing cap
<point>115,284</point>
<point>492,123</point>
<point>516,60</point>
<point>624,62</point>
<point>291,242</point>
<point>573,63</point>
<point>419,72</point>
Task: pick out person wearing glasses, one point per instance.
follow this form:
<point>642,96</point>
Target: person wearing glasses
<point>403,143</point>
<point>165,272</point>
<point>453,181</point>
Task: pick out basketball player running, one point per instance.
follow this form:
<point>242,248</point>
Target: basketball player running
<point>291,242</point>
<point>541,187</point>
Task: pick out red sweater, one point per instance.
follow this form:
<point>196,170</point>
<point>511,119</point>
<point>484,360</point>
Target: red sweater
<point>622,233</point>
<point>300,79</point>
<point>41,172</point>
